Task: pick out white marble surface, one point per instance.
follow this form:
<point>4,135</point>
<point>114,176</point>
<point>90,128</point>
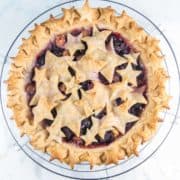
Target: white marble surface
<point>14,165</point>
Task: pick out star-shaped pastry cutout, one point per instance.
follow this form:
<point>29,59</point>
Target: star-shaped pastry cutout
<point>43,110</point>
<point>97,54</point>
<point>89,137</point>
<point>69,116</point>
<point>108,123</point>
<point>72,87</point>
<point>97,40</point>
<point>89,65</point>
<point>80,75</point>
<point>129,74</point>
<point>123,116</point>
<point>108,13</point>
<point>132,58</point>
<point>54,93</point>
<point>84,107</point>
<point>135,97</point>
<point>113,61</point>
<point>88,13</point>
<point>52,60</point>
<point>98,96</point>
<point>120,89</point>
<point>40,76</point>
<point>44,87</point>
<point>74,43</point>
<point>70,15</point>
<point>110,46</point>
<point>56,65</point>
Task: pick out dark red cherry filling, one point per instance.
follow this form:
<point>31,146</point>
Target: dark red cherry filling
<point>103,79</point>
<point>99,139</point>
<point>30,88</point>
<point>76,32</point>
<point>58,51</point>
<point>79,93</point>
<point>87,85</point>
<point>84,31</point>
<point>102,113</point>
<point>85,124</point>
<point>141,79</point>
<point>70,137</point>
<point>109,137</point>
<point>120,44</point>
<point>137,109</point>
<point>118,101</point>
<point>122,66</point>
<point>122,47</point>
<point>66,96</point>
<point>46,123</point>
<point>71,71</point>
<point>116,78</point>
<point>78,141</point>
<point>62,87</point>
<point>54,112</point>
<point>139,65</point>
<point>69,134</point>
<point>79,53</point>
<point>60,40</point>
<point>129,125</point>
<point>40,60</point>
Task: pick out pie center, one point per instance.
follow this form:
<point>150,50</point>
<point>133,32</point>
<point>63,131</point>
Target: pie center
<point>88,87</point>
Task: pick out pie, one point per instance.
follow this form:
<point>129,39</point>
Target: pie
<point>88,86</point>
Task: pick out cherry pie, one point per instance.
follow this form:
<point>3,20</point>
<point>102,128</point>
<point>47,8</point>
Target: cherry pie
<point>88,86</point>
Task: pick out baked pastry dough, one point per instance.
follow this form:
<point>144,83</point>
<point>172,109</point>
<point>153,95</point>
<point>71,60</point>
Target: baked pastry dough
<point>88,86</point>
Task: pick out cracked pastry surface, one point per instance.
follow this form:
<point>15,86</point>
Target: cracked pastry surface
<point>88,86</point>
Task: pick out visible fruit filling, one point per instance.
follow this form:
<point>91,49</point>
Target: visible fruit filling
<point>122,48</point>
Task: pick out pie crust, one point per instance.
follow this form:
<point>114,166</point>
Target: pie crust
<point>47,140</point>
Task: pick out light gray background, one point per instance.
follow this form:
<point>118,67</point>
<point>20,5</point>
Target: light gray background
<point>14,165</point>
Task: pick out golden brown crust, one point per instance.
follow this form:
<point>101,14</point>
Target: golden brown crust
<point>103,17</point>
